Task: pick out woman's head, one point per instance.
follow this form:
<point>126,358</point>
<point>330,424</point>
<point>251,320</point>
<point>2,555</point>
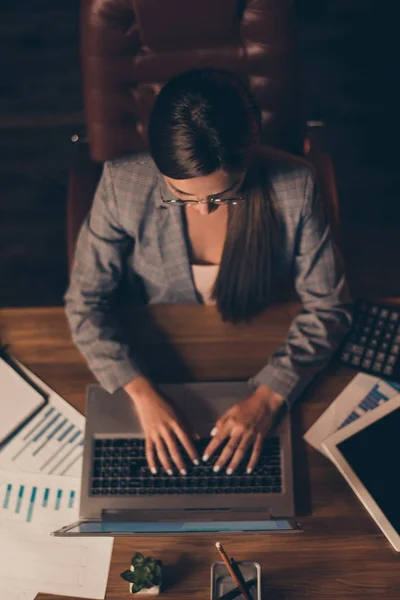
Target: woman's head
<point>203,133</point>
<point>203,130</point>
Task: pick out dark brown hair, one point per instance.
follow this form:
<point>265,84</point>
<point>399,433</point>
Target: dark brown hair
<point>205,120</point>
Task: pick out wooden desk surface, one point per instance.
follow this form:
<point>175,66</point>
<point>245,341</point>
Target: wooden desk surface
<point>340,555</point>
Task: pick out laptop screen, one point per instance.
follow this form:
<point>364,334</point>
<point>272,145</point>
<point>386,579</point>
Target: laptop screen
<point>111,527</point>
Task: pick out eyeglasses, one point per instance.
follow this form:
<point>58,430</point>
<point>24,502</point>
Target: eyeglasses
<point>177,202</point>
<point>211,200</point>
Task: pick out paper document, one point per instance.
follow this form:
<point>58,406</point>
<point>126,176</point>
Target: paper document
<point>364,393</point>
<point>18,400</point>
<point>13,594</point>
<point>51,442</point>
<point>31,507</point>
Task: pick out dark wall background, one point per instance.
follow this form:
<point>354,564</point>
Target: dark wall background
<point>348,49</point>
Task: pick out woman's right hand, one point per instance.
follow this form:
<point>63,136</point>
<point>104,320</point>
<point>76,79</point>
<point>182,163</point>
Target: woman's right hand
<point>162,426</point>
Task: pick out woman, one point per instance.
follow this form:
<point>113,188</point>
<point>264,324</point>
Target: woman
<point>206,217</point>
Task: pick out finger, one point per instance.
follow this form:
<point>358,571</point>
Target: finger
<point>256,453</point>
<point>216,441</point>
<point>219,425</point>
<point>173,450</point>
<point>151,458</point>
<point>186,442</point>
<point>163,455</point>
<point>240,452</point>
<point>228,451</point>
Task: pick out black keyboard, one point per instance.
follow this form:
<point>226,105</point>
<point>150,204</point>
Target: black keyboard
<point>120,468</point>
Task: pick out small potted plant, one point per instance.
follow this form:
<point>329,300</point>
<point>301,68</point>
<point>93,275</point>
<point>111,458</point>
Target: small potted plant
<point>144,575</point>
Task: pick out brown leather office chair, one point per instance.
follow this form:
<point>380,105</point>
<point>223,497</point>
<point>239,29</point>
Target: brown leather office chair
<point>130,48</point>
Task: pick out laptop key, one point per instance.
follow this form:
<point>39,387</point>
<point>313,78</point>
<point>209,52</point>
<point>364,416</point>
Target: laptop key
<point>134,482</point>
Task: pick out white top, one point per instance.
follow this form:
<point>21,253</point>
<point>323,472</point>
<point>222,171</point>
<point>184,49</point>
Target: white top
<point>204,278</point>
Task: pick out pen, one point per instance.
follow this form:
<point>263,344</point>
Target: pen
<point>233,572</point>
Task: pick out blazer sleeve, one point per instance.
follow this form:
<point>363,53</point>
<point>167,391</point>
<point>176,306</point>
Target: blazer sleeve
<point>96,274</point>
<point>316,332</point>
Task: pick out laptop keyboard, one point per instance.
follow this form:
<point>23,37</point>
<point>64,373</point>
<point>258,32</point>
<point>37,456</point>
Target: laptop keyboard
<point>120,468</point>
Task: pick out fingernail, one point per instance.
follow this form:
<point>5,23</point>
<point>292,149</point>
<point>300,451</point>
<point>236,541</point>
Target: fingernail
<point>183,472</point>
<point>249,471</point>
<point>229,471</point>
<point>216,469</point>
<point>213,431</point>
<point>169,471</point>
<point>196,462</point>
<point>153,470</point>
<point>205,457</point>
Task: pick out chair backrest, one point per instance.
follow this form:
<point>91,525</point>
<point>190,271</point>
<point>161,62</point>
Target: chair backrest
<point>130,48</point>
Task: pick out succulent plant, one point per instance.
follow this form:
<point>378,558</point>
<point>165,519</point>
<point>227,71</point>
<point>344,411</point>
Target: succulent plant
<point>145,573</point>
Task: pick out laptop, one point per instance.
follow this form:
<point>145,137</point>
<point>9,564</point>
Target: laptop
<point>120,496</point>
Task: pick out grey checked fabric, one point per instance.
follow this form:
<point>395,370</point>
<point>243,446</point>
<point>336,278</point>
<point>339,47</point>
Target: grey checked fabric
<point>131,241</point>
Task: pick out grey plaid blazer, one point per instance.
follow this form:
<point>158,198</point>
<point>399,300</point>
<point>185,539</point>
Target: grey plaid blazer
<point>131,238</point>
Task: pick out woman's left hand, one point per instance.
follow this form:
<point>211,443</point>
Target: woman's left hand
<point>244,424</point>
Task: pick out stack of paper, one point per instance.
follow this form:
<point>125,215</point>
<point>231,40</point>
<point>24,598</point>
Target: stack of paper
<point>364,393</point>
<point>40,471</point>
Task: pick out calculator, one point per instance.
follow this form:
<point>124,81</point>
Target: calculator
<point>373,342</point>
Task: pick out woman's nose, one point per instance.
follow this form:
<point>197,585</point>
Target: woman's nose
<point>204,209</point>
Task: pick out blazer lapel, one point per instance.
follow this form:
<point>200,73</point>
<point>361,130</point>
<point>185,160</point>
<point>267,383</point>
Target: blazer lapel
<point>174,253</point>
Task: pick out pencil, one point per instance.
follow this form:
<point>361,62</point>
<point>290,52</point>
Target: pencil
<point>238,572</point>
<point>232,572</point>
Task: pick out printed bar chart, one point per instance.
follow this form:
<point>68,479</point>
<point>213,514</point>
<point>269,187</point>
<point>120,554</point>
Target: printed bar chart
<point>51,443</point>
<point>29,502</point>
<point>378,394</point>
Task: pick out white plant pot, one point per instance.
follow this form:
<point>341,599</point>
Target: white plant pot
<point>154,591</point>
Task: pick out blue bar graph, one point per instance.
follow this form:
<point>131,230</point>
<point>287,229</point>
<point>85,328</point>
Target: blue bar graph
<point>71,499</point>
<point>28,435</point>
<point>29,500</point>
<point>50,443</point>
<point>66,432</point>
<point>372,400</point>
<point>49,437</point>
<point>60,449</point>
<point>20,496</point>
<point>74,436</point>
<point>45,428</point>
<point>7,496</point>
<point>77,457</point>
<point>58,500</point>
<point>47,414</point>
<point>31,504</point>
<point>70,441</point>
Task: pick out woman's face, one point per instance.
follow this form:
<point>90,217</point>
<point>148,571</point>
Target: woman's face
<point>219,184</point>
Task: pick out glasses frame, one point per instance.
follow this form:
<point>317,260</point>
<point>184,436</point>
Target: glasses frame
<point>211,200</point>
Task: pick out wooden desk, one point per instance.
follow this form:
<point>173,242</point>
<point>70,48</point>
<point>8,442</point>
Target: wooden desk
<point>341,554</point>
